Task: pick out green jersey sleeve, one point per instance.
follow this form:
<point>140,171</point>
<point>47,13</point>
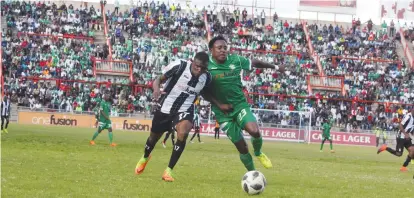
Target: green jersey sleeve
<point>245,63</point>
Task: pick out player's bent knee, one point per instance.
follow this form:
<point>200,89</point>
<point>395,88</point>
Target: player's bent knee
<point>183,129</point>
<point>253,129</point>
<point>155,136</point>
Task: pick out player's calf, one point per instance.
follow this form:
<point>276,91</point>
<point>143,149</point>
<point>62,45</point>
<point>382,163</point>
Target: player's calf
<point>253,129</point>
<point>183,129</point>
<point>257,141</point>
<point>411,152</point>
<point>245,156</point>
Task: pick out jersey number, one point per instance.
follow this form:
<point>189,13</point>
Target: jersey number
<point>183,115</point>
<point>242,114</point>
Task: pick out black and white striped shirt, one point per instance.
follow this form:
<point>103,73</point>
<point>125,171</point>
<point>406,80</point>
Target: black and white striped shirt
<point>407,122</point>
<point>5,108</point>
<point>182,88</point>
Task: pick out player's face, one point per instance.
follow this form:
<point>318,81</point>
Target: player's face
<point>219,51</point>
<point>106,97</point>
<point>198,67</point>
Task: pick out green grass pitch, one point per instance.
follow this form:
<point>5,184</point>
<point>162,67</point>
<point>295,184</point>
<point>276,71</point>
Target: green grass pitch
<point>59,162</point>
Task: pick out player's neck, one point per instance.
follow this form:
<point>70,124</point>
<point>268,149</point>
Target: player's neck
<point>219,62</point>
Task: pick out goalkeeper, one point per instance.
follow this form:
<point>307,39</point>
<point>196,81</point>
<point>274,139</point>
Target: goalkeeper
<point>326,134</point>
<point>229,103</point>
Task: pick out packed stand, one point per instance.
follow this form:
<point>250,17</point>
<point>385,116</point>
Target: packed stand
<point>64,55</point>
<point>42,41</point>
<point>49,19</point>
<point>386,80</point>
<point>151,35</point>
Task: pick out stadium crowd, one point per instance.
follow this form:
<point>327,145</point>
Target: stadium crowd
<point>386,80</point>
<point>153,34</point>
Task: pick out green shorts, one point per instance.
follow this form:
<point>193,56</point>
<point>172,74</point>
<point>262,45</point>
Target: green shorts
<point>326,137</point>
<point>233,129</point>
<point>104,125</point>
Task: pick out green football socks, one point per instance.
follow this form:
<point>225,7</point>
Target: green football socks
<point>257,145</point>
<point>111,137</point>
<point>95,135</point>
<point>247,161</point>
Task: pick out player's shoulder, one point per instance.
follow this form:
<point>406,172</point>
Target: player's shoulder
<point>176,63</point>
<point>235,60</point>
<point>205,77</point>
<point>232,58</point>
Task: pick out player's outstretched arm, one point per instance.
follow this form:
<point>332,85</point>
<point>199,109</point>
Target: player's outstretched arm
<point>223,107</point>
<point>261,64</point>
<point>156,86</point>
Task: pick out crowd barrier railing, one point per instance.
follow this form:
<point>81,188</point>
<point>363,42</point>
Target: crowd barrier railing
<point>343,99</point>
<point>57,36</point>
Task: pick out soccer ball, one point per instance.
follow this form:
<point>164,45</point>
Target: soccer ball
<point>253,182</point>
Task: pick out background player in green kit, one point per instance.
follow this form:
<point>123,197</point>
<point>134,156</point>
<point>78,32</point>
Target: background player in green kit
<point>104,121</point>
<point>326,134</point>
<point>229,103</point>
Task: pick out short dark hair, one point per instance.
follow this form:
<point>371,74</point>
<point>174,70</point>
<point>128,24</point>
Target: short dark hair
<point>212,41</point>
<point>202,56</point>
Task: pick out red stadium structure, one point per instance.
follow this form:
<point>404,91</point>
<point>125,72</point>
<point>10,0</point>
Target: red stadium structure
<point>113,68</point>
<point>329,83</point>
<point>365,60</point>
<point>55,37</point>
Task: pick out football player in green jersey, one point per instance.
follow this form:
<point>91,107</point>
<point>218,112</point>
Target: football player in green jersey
<point>229,104</point>
<point>104,121</point>
<point>326,134</point>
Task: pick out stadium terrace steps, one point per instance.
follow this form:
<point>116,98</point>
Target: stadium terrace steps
<point>410,46</point>
<point>400,52</point>
<point>100,38</point>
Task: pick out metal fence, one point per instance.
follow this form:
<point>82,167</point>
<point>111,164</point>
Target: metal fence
<point>325,81</point>
<point>111,66</point>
